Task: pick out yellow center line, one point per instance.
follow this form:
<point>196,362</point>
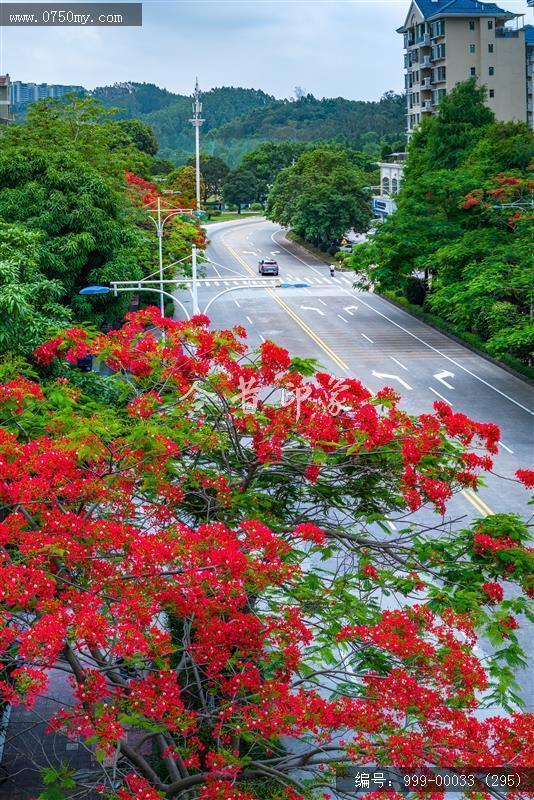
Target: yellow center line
<point>289,311</point>
<point>469,495</point>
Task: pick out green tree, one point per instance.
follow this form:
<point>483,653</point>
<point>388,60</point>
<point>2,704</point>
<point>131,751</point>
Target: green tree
<point>213,171</point>
<point>182,181</point>
<point>29,301</point>
<point>321,196</point>
<point>267,160</point>
<point>240,187</point>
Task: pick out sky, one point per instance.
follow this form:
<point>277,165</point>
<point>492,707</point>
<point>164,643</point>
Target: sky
<point>332,48</point>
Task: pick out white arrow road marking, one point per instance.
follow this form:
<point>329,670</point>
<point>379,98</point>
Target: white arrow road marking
<point>312,308</point>
<point>275,252</point>
<point>392,378</point>
<point>368,339</point>
<point>399,363</point>
<point>348,309</point>
<point>506,448</point>
<point>440,376</point>
<point>441,396</point>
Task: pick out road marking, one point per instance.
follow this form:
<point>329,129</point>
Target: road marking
<point>250,321</point>
<point>307,291</point>
<point>237,303</point>
<point>320,301</point>
<point>346,280</point>
<point>294,316</point>
<point>216,283</point>
<point>226,283</point>
<point>343,318</point>
<point>348,309</point>
<point>312,308</point>
<point>399,363</point>
<point>506,448</point>
<point>440,396</point>
<point>393,378</point>
<point>336,280</point>
<point>478,503</point>
<point>440,376</point>
<point>452,361</point>
<point>262,337</point>
<point>368,339</point>
<point>391,525</point>
<point>249,253</point>
<point>275,252</point>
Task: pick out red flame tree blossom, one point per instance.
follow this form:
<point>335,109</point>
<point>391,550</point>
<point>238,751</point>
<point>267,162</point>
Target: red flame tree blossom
<point>159,549</point>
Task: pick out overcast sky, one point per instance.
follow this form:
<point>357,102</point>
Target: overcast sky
<point>331,48</point>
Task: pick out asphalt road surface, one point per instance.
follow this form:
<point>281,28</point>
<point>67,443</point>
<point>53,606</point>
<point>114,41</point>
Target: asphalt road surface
<point>358,334</point>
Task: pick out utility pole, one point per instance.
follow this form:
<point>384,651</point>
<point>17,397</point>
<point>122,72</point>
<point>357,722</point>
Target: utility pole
<point>194,284</point>
<point>196,122</point>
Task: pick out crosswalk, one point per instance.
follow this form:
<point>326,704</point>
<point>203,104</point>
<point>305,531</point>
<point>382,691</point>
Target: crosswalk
<point>310,280</point>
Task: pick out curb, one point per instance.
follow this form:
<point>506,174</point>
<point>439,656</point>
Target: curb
<point>459,340</point>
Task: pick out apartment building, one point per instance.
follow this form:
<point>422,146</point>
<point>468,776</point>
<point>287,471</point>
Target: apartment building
<point>448,41</point>
<point>5,100</point>
<point>24,93</point>
<point>529,43</point>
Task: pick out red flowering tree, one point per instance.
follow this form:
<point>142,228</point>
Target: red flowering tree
<point>208,562</point>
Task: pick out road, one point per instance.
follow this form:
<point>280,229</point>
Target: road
<point>361,335</point>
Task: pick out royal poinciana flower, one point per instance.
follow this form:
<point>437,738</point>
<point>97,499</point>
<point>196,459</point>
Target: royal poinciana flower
<point>161,550</point>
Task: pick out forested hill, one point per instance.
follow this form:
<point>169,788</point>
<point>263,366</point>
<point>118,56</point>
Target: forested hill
<point>238,119</point>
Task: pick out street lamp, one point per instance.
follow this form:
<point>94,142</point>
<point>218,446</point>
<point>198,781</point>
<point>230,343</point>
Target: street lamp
<point>196,122</point>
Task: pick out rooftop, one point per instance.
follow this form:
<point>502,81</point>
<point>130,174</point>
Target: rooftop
<point>434,9</point>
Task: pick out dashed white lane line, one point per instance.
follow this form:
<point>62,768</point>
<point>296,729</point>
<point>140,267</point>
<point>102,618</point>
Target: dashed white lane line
<point>250,321</point>
<point>262,337</point>
<point>237,303</point>
<point>391,525</point>
<point>320,301</point>
<point>399,363</point>
<point>368,339</point>
<point>440,396</point>
<point>345,280</point>
<point>343,318</point>
<point>506,448</point>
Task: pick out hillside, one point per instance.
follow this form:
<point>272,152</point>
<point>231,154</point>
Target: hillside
<point>238,119</point>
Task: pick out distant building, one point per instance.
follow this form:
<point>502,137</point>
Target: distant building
<point>24,93</point>
<point>391,177</point>
<point>448,41</point>
<point>5,100</point>
<point>529,44</point>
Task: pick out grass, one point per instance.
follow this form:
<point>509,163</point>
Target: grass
<point>226,216</point>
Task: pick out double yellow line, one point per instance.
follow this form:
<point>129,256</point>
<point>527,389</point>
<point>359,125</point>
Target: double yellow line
<point>289,311</point>
<point>477,503</point>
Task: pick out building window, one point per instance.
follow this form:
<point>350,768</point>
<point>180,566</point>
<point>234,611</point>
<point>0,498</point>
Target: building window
<point>492,70</point>
<point>492,92</point>
<point>490,24</point>
<point>385,185</point>
<point>471,24</point>
<point>473,71</point>
<point>472,48</point>
<point>394,186</point>
<point>490,48</point>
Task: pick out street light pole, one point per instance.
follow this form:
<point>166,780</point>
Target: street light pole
<point>159,228</point>
<point>194,285</point>
<point>197,121</point>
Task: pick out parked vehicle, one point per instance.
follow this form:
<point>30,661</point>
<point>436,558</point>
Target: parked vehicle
<point>268,267</point>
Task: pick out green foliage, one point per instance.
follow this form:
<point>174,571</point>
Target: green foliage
<point>29,300</point>
<point>240,187</point>
<point>141,135</point>
<point>213,171</point>
<point>453,232</point>
<point>321,196</point>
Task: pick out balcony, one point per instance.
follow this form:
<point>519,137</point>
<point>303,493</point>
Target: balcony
<point>427,105</point>
<point>426,83</point>
<point>506,33</point>
<point>426,62</point>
